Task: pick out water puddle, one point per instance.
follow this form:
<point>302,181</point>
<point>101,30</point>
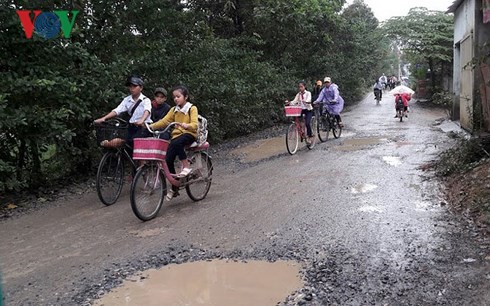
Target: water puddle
<point>261,149</point>
<point>216,282</point>
<point>370,209</point>
<point>392,160</point>
<point>353,144</point>
<point>363,188</point>
<point>399,144</point>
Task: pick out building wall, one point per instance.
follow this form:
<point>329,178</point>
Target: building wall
<point>464,25</point>
<point>482,71</point>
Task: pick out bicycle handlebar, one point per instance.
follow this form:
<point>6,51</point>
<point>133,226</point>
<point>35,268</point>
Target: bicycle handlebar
<point>110,121</point>
<point>160,132</point>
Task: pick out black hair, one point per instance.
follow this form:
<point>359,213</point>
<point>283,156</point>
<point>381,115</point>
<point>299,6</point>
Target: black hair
<point>183,90</point>
<point>302,82</point>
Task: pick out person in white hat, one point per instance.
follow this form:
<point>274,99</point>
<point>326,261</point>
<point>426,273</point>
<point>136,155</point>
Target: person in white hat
<point>331,99</point>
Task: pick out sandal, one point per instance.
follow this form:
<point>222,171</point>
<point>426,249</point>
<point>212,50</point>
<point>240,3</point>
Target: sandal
<point>185,172</point>
<point>171,194</point>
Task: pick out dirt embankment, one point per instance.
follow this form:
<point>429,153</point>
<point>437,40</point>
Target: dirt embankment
<point>468,193</point>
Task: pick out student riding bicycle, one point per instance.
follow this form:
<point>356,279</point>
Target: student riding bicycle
<point>378,90</point>
<point>184,134</point>
<point>303,98</point>
<point>138,107</point>
<point>331,99</point>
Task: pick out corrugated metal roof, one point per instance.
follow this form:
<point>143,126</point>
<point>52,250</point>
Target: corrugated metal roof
<point>454,6</point>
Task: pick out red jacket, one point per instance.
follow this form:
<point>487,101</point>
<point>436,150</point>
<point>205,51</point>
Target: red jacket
<point>405,98</point>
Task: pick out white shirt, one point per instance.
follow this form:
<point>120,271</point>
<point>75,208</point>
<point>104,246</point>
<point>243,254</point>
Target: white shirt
<point>127,105</point>
<point>303,100</point>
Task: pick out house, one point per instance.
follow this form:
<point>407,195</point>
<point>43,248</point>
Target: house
<point>471,79</point>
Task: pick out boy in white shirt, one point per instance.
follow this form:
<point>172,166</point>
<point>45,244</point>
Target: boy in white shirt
<point>138,107</point>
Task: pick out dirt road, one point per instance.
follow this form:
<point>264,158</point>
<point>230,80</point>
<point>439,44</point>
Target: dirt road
<point>366,224</point>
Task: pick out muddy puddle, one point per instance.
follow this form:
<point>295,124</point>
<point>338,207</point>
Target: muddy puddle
<point>261,149</point>
<point>363,188</point>
<point>216,282</point>
<point>394,161</point>
<point>354,144</point>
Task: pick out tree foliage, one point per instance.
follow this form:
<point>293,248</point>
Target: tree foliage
<point>240,59</point>
<point>425,37</point>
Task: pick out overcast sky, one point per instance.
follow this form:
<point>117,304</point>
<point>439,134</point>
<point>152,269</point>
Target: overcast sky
<point>384,9</point>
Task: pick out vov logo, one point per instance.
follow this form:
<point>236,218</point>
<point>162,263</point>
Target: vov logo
<point>47,24</point>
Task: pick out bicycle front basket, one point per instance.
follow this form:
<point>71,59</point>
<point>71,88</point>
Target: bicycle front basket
<point>150,148</point>
<point>292,111</point>
<point>111,135</point>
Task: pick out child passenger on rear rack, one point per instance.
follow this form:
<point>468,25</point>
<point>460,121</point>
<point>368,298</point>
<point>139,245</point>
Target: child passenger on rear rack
<point>183,134</point>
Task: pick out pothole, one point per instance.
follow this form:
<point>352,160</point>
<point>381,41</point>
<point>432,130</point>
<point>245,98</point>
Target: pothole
<point>261,149</point>
<point>353,144</point>
<point>216,282</point>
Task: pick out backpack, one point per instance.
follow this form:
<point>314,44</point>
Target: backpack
<point>202,130</point>
<point>399,102</point>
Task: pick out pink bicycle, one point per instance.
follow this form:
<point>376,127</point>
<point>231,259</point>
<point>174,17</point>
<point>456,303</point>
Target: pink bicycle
<point>149,187</point>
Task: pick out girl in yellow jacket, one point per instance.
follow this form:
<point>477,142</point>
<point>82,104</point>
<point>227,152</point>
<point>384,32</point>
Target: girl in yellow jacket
<point>183,134</point>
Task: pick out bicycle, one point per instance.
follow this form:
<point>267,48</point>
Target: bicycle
<point>297,130</point>
<point>149,187</point>
<point>377,96</point>
<point>111,136</point>
<point>400,110</point>
<point>326,123</point>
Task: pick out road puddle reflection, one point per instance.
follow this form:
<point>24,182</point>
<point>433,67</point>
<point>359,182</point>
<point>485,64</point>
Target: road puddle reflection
<point>363,188</point>
<point>392,160</point>
<point>216,282</point>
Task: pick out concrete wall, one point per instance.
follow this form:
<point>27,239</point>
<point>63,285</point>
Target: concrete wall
<point>482,73</point>
<point>464,25</point>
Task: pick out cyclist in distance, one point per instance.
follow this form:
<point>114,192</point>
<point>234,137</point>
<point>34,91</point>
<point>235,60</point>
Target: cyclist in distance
<point>378,89</point>
<point>384,80</point>
<point>331,99</point>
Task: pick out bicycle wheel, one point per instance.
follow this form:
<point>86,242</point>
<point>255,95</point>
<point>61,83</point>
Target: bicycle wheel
<point>110,177</point>
<point>336,128</point>
<point>199,180</point>
<point>292,139</point>
<point>323,128</point>
<point>147,191</point>
<point>314,127</point>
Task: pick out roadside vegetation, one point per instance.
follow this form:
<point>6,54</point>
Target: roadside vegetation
<point>465,171</point>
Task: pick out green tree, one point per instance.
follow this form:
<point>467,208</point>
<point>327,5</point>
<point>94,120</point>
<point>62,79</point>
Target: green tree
<point>427,36</point>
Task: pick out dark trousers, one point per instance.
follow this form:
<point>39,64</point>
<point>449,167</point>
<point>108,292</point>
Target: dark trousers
<point>176,148</point>
<point>308,115</point>
<point>136,132</point>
